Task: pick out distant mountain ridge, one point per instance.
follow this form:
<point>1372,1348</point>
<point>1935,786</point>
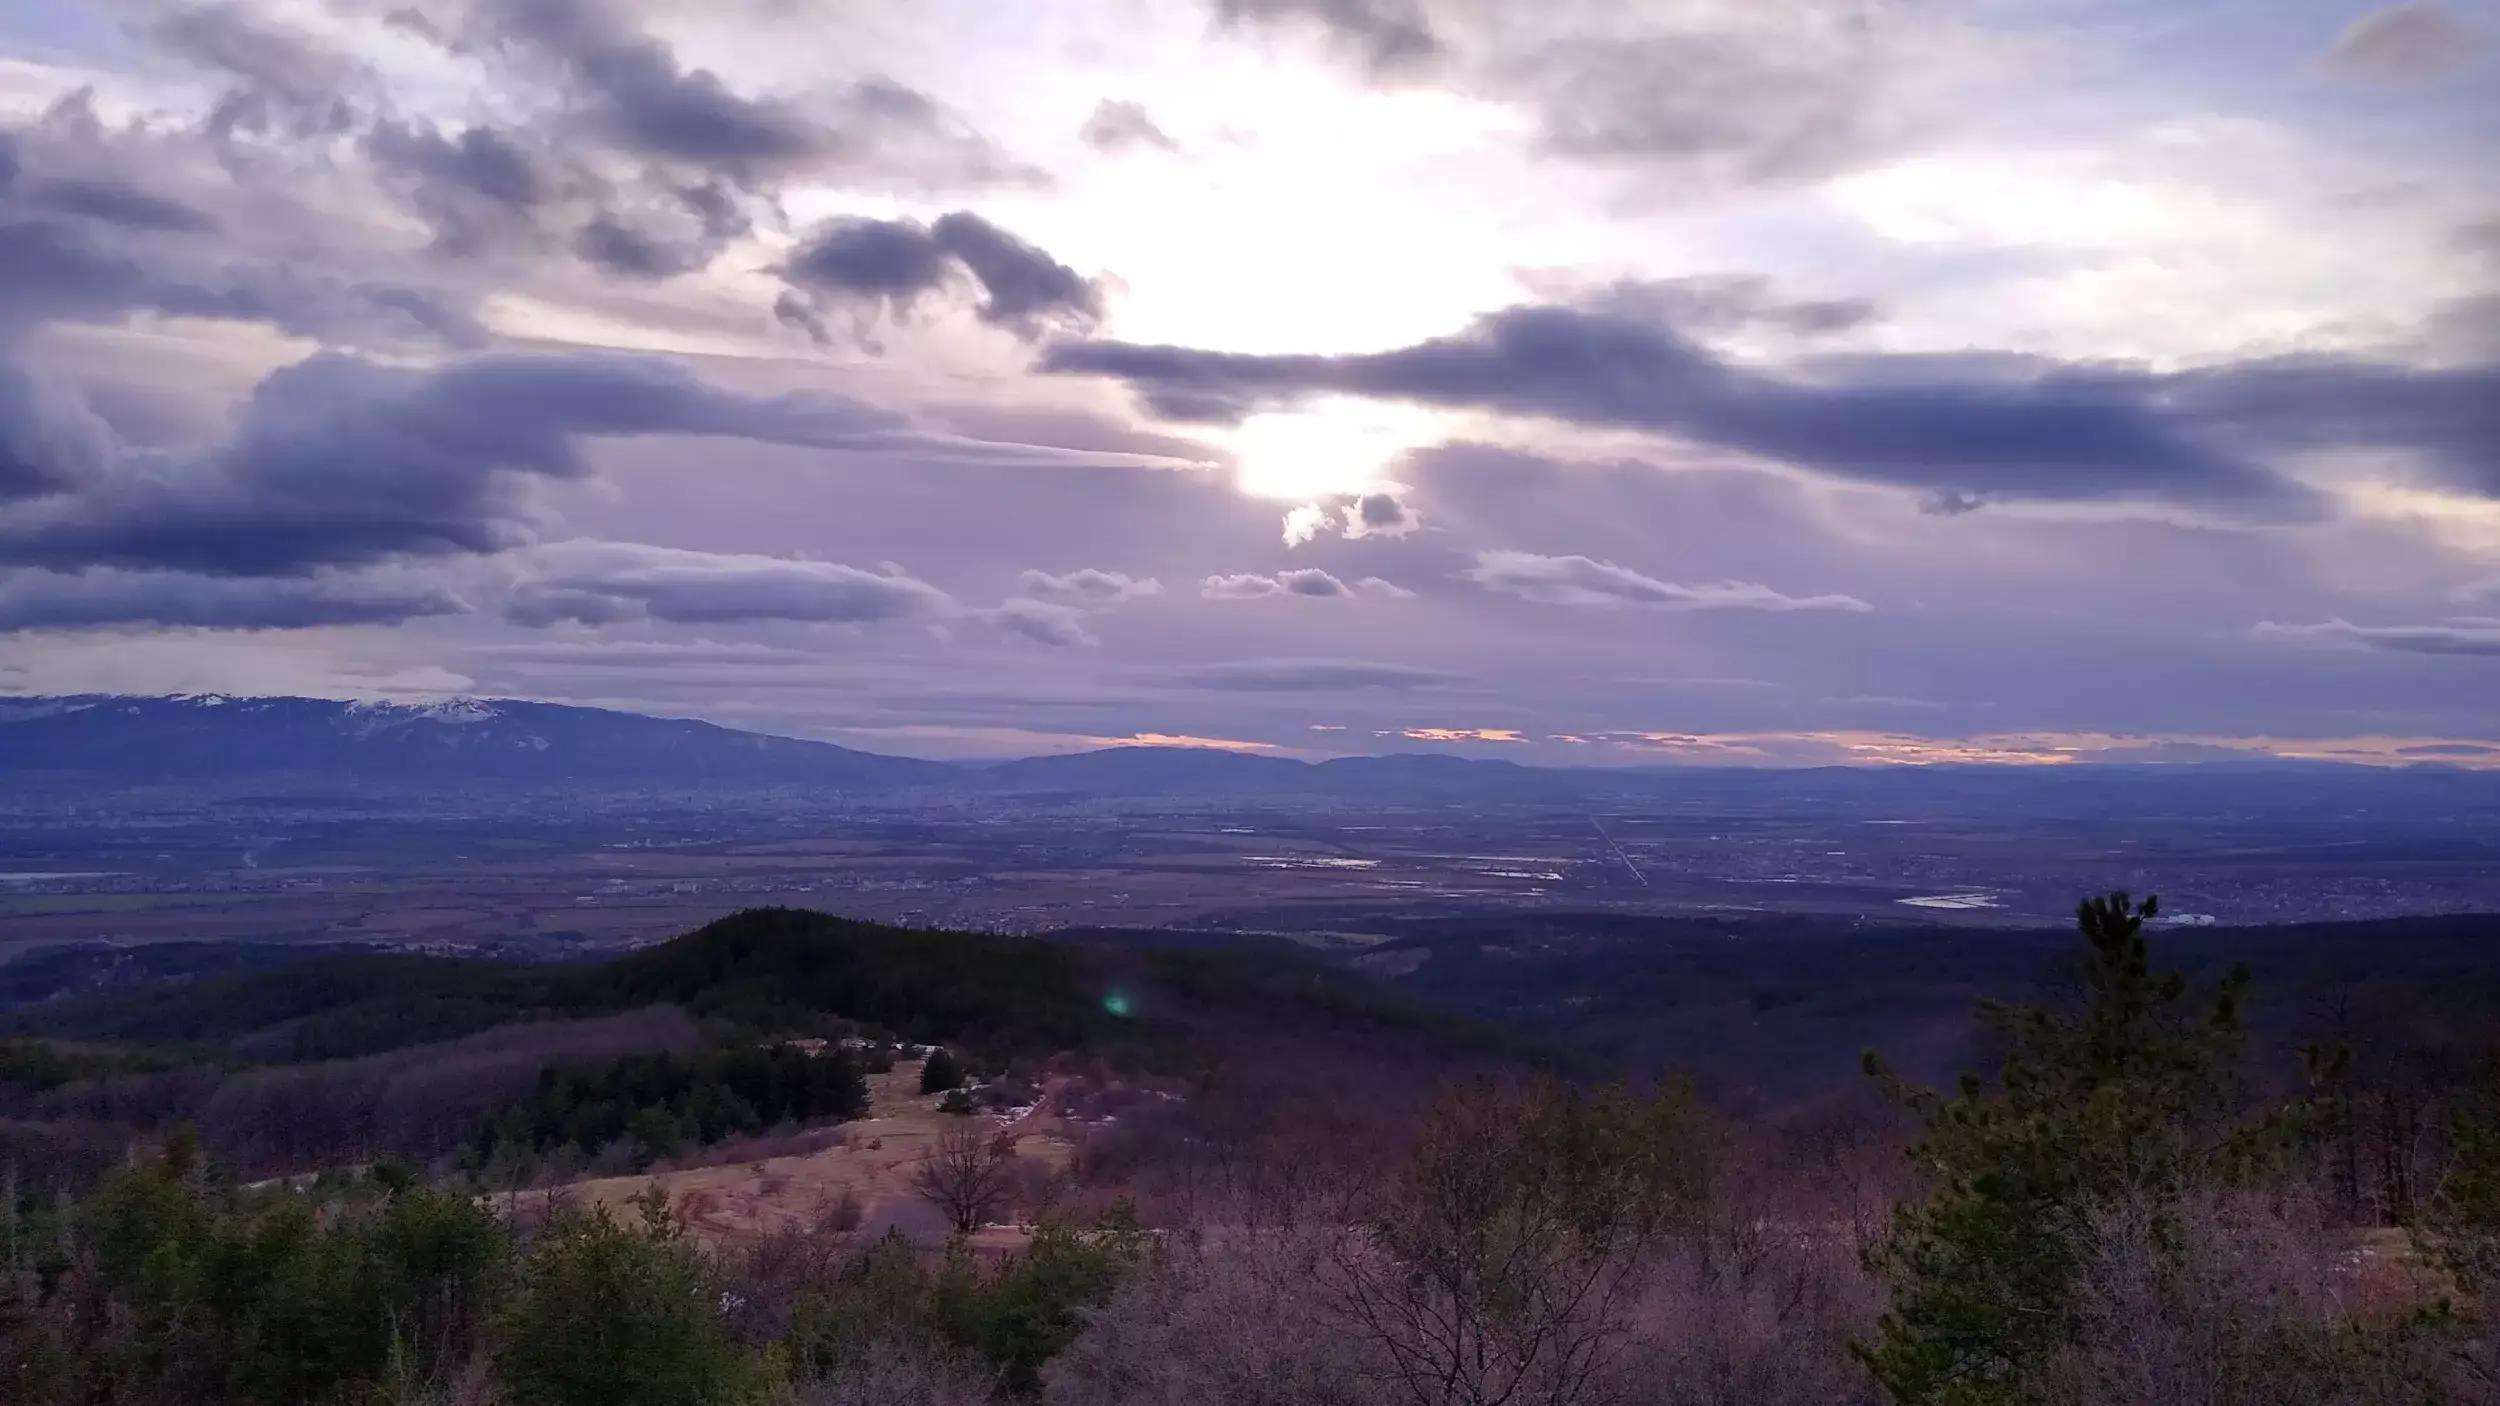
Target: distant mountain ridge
<point>214,737</point>
<point>216,740</point>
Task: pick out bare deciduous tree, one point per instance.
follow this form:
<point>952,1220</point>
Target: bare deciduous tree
<point>1504,1264</point>
<point>968,1175</point>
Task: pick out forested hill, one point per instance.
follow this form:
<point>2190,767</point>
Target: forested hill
<point>768,969</point>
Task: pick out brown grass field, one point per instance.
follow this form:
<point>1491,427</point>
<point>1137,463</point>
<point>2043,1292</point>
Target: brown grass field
<point>872,1164</point>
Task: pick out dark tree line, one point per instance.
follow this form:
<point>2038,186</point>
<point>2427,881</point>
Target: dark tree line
<point>643,1107</point>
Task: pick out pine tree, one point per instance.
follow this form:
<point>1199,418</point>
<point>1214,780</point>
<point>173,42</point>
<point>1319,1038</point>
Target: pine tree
<point>2125,1100</point>
<point>941,1073</point>
<point>2460,1228</point>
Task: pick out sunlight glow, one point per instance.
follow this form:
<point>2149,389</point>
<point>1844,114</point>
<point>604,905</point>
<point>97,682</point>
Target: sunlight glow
<point>1333,446</point>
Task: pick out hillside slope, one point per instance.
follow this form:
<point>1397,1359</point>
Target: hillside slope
<point>111,740</point>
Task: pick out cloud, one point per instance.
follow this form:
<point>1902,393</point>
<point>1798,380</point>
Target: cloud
<point>283,78</point>
<point>1971,427</point>
<point>1025,287</point>
<point>1052,609</point>
<point>2480,237</point>
<point>636,253</point>
<point>1716,302</point>
<point>1390,35</point>
<point>598,583</point>
<point>897,263</point>
<point>50,441</point>
<point>52,600</point>
<point>473,189</point>
<point>1122,126</point>
<point>1760,103</point>
<point>1087,587</point>
<point>1380,512</point>
<point>629,90</point>
<point>55,270</point>
<point>636,654</point>
<point>338,461</point>
<point>634,92</point>
<point>115,203</point>
<point>1041,621</point>
<point>1459,734</point>
<point>1306,522</point>
<point>2468,635</point>
<point>1309,582</point>
<point>1584,581</point>
<point>1304,675</point>
<point>1707,94</point>
<point>2447,417</point>
<point>2414,42</point>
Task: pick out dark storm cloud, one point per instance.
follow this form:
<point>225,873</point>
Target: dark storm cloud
<point>475,190</point>
<point>635,253</point>
<point>480,161</point>
<point>283,79</point>
<point>101,223</point>
<point>338,460</point>
<point>1390,35</point>
<point>2002,427</point>
<point>642,99</point>
<point>1719,302</point>
<point>629,91</point>
<point>115,203</point>
<point>605,582</point>
<point>1119,126</point>
<point>53,270</point>
<point>1303,675</point>
<point>894,261</point>
<point>1025,286</point>
<point>2450,417</point>
<point>50,600</point>
<point>2465,635</point>
<point>49,439</point>
<point>655,233</point>
<point>897,263</point>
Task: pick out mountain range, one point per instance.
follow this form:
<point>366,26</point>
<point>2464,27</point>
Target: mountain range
<point>219,741</point>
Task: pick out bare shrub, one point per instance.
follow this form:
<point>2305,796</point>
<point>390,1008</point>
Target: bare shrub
<point>1252,1310</point>
<point>2234,1299</point>
<point>1505,1261</point>
<point>887,1375</point>
<point>1767,1328</point>
<point>1226,1318</point>
<point>765,1278</point>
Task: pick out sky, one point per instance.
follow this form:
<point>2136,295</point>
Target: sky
<point>1747,382</point>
